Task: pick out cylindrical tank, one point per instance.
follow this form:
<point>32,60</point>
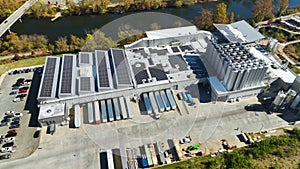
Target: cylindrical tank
<point>246,77</point>
<point>219,65</point>
<point>291,94</point>
<point>227,74</point>
<point>259,74</point>
<point>295,102</point>
<point>279,98</point>
<point>224,68</point>
<point>238,79</point>
<point>232,78</point>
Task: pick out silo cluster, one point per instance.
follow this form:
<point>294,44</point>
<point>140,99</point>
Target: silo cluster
<point>235,66</point>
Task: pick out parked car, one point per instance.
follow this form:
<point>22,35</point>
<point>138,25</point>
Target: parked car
<point>18,99</point>
<point>2,136</point>
<point>21,95</point>
<point>17,118</point>
<point>6,120</point>
<point>11,131</point>
<point>10,113</point>
<point>10,144</point>
<point>25,88</point>
<point>15,123</point>
<point>22,90</point>
<point>11,135</point>
<point>187,139</point>
<point>20,80</point>
<point>14,126</point>
<point>5,156</point>
<point>7,149</point>
<point>13,92</point>
<point>18,114</point>
<point>4,124</point>
<point>1,141</point>
<point>37,134</point>
<point>9,140</point>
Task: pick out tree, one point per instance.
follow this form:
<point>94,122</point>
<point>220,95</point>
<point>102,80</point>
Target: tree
<point>98,41</point>
<point>231,17</point>
<point>76,43</point>
<point>282,6</point>
<point>221,13</point>
<point>154,26</point>
<point>263,10</point>
<point>205,21</point>
<point>61,45</point>
<point>177,3</point>
<point>126,3</point>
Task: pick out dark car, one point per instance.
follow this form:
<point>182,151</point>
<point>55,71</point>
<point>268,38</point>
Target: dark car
<point>17,119</point>
<point>37,134</point>
<point>20,80</point>
<point>1,141</point>
<point>14,126</point>
<point>13,93</point>
<point>5,156</point>
<point>8,144</point>
<point>11,131</point>
<point>6,120</point>
<point>21,95</point>
<point>11,135</point>
<point>15,123</point>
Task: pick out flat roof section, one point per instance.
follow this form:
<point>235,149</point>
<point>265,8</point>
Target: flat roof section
<point>159,52</point>
<point>178,62</point>
<point>175,49</point>
<point>48,87</point>
<point>140,73</point>
<point>103,69</point>
<point>121,67</point>
<point>186,47</point>
<point>158,72</point>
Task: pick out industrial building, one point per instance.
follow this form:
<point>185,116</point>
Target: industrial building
<point>148,70</point>
<point>105,82</point>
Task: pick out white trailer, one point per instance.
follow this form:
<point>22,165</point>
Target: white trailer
<point>77,120</point>
<point>154,105</point>
<point>147,103</point>
<point>110,159</point>
<point>165,100</point>
<point>129,109</point>
<point>123,108</point>
<point>103,111</point>
<point>110,110</point>
<point>90,112</point>
<point>171,99</point>
<point>159,102</point>
<point>97,112</point>
<point>117,109</point>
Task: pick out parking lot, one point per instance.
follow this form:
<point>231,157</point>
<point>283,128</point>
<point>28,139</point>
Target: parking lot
<point>24,142</point>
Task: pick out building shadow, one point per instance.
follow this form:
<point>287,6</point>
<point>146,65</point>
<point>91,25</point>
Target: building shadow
<point>31,101</point>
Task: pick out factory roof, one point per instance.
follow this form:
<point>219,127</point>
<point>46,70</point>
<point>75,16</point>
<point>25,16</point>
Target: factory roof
<point>172,32</point>
<point>51,110</point>
<point>239,31</point>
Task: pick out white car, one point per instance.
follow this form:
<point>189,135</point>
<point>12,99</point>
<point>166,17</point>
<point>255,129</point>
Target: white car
<point>18,114</point>
<point>9,140</point>
<point>7,149</point>
<point>187,139</point>
<point>9,113</point>
<point>17,99</point>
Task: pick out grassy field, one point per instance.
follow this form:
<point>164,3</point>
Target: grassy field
<point>274,152</point>
<point>22,63</point>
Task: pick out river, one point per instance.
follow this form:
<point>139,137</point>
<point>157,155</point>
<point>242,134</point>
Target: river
<point>79,25</point>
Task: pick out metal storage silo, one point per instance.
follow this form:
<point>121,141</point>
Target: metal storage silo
<point>291,94</point>
<point>246,77</point>
<point>227,74</point>
<point>232,78</point>
<point>279,98</point>
<point>295,102</point>
<point>239,79</point>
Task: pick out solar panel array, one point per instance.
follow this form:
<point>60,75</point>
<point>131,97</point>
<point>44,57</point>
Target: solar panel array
<point>84,58</point>
<point>175,49</point>
<point>49,73</point>
<point>186,47</point>
<point>102,69</point>
<point>85,84</point>
<point>121,66</point>
<point>66,80</point>
<point>158,72</point>
<point>139,72</point>
<point>177,61</point>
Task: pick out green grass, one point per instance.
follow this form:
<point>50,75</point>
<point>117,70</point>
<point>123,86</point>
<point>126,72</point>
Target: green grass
<point>22,63</point>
